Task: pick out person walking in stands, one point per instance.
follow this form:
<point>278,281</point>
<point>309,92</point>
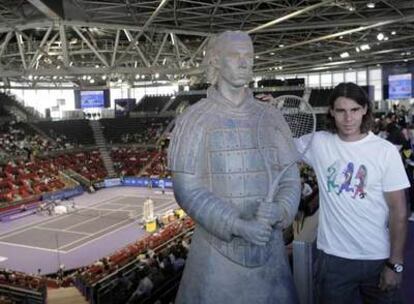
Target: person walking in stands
<point>362,230</point>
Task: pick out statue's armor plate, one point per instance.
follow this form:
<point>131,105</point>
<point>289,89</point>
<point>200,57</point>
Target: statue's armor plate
<point>222,147</point>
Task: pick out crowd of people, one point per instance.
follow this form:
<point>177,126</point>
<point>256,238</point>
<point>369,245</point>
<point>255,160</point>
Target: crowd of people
<point>397,127</point>
<point>17,141</point>
<point>156,258</point>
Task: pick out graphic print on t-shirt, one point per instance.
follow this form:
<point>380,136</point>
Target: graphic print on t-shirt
<point>347,182</point>
<point>346,185</point>
<point>332,174</point>
<point>361,176</point>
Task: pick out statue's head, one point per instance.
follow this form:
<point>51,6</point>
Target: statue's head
<point>229,58</point>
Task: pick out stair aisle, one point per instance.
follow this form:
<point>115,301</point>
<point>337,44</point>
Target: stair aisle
<point>100,141</point>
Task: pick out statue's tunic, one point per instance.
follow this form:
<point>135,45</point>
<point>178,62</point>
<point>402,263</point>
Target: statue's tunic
<point>218,155</point>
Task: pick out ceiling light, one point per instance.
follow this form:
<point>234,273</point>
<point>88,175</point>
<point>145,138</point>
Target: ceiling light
<point>172,39</point>
<point>371,4</point>
<point>271,53</point>
<point>357,49</point>
<point>333,63</point>
<point>380,36</point>
<point>365,47</point>
<point>393,33</point>
<point>92,81</point>
<point>103,77</point>
<point>137,76</point>
<point>330,58</point>
<point>386,38</point>
<point>157,76</point>
<point>281,45</point>
<point>257,57</point>
<point>344,55</point>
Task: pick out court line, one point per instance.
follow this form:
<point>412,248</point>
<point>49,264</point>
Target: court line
<point>33,247</point>
<point>99,237</point>
<point>166,209</point>
<point>97,232</point>
<point>51,220</point>
<point>103,209</point>
<point>104,235</point>
<point>155,206</point>
<point>60,230</point>
<point>169,203</point>
<point>86,221</point>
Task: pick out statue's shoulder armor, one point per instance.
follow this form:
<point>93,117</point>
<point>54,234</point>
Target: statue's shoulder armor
<point>275,117</point>
<point>187,137</point>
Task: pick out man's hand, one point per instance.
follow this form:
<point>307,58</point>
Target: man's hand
<point>270,213</point>
<point>389,279</point>
<point>253,231</point>
<point>265,97</point>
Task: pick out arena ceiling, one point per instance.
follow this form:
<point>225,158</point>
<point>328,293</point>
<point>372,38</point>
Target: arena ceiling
<point>87,42</point>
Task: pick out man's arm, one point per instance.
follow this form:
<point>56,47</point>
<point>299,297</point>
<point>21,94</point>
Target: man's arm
<point>398,231</point>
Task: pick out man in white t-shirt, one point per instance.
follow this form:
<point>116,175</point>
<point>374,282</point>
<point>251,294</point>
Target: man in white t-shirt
<point>363,216</point>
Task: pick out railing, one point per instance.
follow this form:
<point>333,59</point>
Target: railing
<point>23,295</point>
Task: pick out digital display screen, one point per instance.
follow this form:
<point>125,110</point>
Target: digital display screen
<point>399,86</point>
<point>91,99</point>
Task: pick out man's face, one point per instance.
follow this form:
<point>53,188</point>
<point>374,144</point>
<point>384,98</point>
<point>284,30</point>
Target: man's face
<point>235,63</point>
<point>348,116</point>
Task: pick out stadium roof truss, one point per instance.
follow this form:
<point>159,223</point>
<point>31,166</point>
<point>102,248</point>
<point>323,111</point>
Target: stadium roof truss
<point>61,41</point>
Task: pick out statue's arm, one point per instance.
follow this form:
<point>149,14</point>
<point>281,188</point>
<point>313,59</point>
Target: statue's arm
<point>283,208</point>
<point>187,161</point>
<point>217,216</point>
<point>288,196</point>
<point>214,214</point>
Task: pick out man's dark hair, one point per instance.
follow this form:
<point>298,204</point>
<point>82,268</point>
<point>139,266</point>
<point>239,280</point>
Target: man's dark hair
<point>352,91</point>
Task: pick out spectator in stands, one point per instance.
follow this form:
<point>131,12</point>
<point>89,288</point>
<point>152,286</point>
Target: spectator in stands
<point>394,133</point>
<point>362,228</point>
<point>220,180</point>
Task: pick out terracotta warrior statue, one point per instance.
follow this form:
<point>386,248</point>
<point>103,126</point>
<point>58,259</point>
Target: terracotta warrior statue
<point>224,152</point>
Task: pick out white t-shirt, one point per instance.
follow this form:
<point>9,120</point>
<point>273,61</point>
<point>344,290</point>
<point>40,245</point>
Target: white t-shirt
<point>352,178</point>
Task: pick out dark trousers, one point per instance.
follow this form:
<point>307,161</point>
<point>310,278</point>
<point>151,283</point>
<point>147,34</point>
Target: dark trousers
<point>345,281</point>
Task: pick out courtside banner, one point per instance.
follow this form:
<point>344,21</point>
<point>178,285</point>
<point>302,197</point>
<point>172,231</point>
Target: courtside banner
<point>147,182</point>
<point>62,194</point>
<point>112,182</point>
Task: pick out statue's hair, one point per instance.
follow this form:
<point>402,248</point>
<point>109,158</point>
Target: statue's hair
<point>213,49</point>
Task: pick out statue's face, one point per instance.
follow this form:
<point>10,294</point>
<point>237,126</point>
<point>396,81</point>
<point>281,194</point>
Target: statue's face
<point>235,62</point>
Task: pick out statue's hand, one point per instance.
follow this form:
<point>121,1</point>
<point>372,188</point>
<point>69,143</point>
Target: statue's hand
<point>255,232</point>
<point>270,213</point>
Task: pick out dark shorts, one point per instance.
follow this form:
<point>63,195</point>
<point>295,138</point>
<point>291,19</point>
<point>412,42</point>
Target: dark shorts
<point>345,281</point>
